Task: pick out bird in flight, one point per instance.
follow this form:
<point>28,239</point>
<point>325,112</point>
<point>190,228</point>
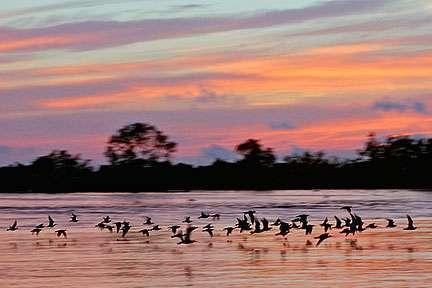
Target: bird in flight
<point>74,218</point>
<point>321,238</point>
<point>51,222</point>
<point>36,231</point>
<point>410,223</point>
<point>13,227</point>
<point>61,232</point>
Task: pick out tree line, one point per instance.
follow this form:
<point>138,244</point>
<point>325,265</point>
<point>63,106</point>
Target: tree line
<point>139,157</point>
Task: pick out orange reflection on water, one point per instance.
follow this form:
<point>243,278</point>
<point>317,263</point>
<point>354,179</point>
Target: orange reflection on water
<point>378,258</point>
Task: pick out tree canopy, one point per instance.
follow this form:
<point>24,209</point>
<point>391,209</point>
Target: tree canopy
<point>139,143</point>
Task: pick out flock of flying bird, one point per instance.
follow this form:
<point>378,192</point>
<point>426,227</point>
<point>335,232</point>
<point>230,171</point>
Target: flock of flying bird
<point>249,222</point>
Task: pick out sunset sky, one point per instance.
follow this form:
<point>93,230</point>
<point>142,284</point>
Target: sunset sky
<point>299,75</point>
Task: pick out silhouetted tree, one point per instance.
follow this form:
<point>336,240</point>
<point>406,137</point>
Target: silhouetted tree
<point>139,144</point>
<point>60,160</point>
<point>254,154</point>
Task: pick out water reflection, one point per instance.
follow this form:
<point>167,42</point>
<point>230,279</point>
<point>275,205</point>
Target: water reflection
<point>391,257</point>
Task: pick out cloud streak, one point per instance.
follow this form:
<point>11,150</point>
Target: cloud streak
<point>99,34</point>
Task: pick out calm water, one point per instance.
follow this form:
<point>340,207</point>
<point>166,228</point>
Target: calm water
<point>376,258</point>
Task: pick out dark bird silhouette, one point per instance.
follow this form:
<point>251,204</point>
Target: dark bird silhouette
<point>148,221</point>
<point>156,228</point>
<point>338,223</point>
<point>347,222</point>
<point>257,227</point>
<point>308,229</point>
<point>284,228</point>
<point>61,232</point>
<point>215,216</point>
<point>265,224</point>
<point>303,219</point>
<point>186,238</point>
<point>51,222</point>
<point>13,227</point>
<point>390,223</point>
<point>36,231</point>
<point>347,208</point>
<point>208,226</point>
<point>40,226</point>
<point>251,215</point>
<point>118,226</point>
<point>174,228</point>
<point>326,225</point>
<point>74,218</point>
<point>100,225</point>
<point>243,224</point>
<point>410,224</point>
<point>209,230</point>
<point>187,220</point>
<point>321,238</point>
<point>106,219</point>
<point>229,230</point>
<point>204,215</point>
<point>371,226</point>
<point>145,232</point>
<point>125,229</point>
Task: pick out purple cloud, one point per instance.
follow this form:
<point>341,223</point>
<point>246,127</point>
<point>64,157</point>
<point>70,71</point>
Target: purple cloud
<point>98,34</point>
<point>402,106</point>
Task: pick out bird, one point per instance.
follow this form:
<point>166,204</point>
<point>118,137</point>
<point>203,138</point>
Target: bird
<point>243,224</point>
<point>148,221</point>
<point>13,227</point>
<point>106,219</point>
<point>251,215</point>
<point>208,226</point>
<point>174,228</point>
<point>229,230</point>
<point>308,229</point>
<point>338,223</point>
<point>145,232</point>
<point>156,228</point>
<point>327,226</point>
<point>321,238</point>
<point>347,208</point>
<point>100,225</point>
<point>215,216</point>
<point>371,226</point>
<point>204,215</point>
<point>61,232</point>
<point>391,223</point>
<point>51,222</point>
<point>185,238</point>
<point>257,227</point>
<point>209,230</point>
<point>410,223</point>
<point>265,224</point>
<point>74,218</point>
<point>118,226</point>
<point>284,228</point>
<point>187,220</point>
<point>125,229</point>
<point>40,226</point>
<point>36,231</point>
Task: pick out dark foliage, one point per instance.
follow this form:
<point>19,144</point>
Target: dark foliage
<point>139,161</point>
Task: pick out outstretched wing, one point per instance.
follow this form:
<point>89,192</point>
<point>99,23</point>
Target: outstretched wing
<point>410,221</point>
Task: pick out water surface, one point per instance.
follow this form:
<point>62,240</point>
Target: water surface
<point>377,258</point>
